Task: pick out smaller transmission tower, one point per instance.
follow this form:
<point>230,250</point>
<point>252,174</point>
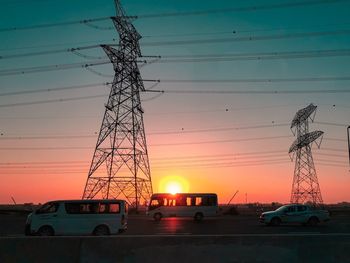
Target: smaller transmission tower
<point>305,188</point>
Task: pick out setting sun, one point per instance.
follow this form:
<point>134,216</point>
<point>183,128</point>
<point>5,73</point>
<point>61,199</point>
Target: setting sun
<point>173,185</point>
<point>173,188</point>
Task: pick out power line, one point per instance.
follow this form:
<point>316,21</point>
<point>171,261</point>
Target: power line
<point>268,80</point>
<point>253,56</point>
<point>57,45</point>
<point>225,110</point>
<point>48,52</point>
<point>159,144</point>
<point>75,136</point>
<point>236,31</point>
<point>178,14</point>
<point>57,24</point>
<point>12,93</point>
<point>322,91</point>
<point>257,92</point>
<point>59,100</point>
<point>181,59</point>
<point>332,124</point>
<point>51,101</point>
<point>204,164</point>
<point>19,71</point>
<point>215,166</point>
<point>242,9</point>
<point>221,141</point>
<point>239,31</point>
<point>247,38</point>
<point>72,136</point>
<point>184,159</point>
<point>218,57</point>
<point>153,145</point>
<point>183,131</point>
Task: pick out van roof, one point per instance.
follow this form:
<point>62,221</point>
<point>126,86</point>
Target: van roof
<point>87,200</point>
<point>188,194</point>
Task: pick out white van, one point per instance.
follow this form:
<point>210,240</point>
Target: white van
<point>195,205</point>
<point>78,217</point>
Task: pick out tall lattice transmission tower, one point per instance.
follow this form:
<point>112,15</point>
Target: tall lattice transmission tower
<point>305,188</point>
<point>120,165</point>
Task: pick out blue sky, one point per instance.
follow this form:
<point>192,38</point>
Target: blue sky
<point>177,112</point>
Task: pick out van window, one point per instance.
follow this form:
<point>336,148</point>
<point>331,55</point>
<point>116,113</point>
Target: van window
<point>81,208</point>
<point>92,208</point>
<point>103,208</point>
<point>155,203</point>
<point>209,200</point>
<point>198,201</point>
<point>172,202</point>
<point>114,208</point>
<point>48,208</point>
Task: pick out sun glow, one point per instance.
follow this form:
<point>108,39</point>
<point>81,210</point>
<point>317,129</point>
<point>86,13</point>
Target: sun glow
<point>173,188</point>
<point>173,185</point>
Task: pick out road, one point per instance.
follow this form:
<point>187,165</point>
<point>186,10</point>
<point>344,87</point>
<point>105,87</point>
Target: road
<point>13,225</point>
<point>224,239</point>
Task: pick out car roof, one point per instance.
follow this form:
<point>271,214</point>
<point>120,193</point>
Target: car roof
<point>294,205</point>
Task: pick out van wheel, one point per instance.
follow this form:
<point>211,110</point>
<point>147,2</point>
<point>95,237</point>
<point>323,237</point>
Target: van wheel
<point>275,221</point>
<point>157,216</point>
<point>313,221</point>
<point>46,231</point>
<point>101,230</point>
<point>198,217</point>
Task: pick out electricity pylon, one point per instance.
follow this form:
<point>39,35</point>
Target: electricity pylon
<point>120,165</point>
<point>305,188</point>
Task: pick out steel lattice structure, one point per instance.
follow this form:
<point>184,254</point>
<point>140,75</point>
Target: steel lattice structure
<point>305,188</point>
<point>120,165</point>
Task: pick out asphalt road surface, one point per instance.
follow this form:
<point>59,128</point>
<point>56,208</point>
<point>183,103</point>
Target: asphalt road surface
<point>13,225</point>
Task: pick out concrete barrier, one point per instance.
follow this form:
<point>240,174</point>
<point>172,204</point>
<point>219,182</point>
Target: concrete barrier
<point>204,248</point>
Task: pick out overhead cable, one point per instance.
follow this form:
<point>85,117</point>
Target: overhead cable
<point>247,38</point>
<point>242,9</point>
<point>254,8</point>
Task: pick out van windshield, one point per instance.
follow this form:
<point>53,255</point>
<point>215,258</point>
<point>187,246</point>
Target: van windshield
<point>48,208</point>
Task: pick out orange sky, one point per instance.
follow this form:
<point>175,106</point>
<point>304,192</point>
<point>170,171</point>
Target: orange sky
<point>262,183</point>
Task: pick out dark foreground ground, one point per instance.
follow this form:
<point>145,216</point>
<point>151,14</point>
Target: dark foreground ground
<point>13,225</point>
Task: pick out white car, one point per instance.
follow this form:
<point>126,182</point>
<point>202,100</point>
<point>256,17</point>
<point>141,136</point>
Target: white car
<point>294,213</point>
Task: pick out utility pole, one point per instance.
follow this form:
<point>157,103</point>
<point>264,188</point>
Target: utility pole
<point>229,202</point>
<point>120,165</point>
<point>305,186</point>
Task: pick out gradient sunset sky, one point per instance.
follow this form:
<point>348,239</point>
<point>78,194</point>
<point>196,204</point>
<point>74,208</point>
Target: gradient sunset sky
<point>214,142</point>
